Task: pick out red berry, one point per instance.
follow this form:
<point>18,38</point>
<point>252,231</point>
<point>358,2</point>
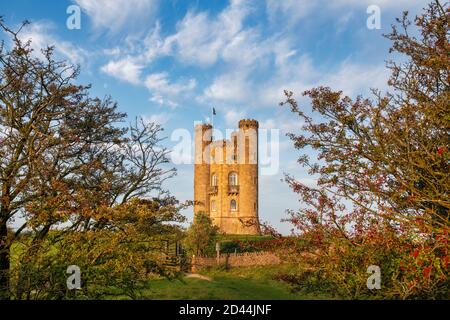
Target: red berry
<point>427,271</point>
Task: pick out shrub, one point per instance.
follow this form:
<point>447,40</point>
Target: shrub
<point>201,235</point>
<point>383,184</point>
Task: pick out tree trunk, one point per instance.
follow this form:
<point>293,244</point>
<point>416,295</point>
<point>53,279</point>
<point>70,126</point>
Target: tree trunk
<point>4,262</point>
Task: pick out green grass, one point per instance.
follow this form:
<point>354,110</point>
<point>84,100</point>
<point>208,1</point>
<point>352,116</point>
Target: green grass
<point>221,288</point>
<point>254,283</point>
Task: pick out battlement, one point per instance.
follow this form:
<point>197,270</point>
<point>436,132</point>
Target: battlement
<point>248,123</point>
<point>204,126</point>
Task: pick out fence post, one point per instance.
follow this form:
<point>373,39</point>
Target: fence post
<point>193,263</point>
<point>218,252</point>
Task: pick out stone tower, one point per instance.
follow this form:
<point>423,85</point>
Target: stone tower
<point>226,178</point>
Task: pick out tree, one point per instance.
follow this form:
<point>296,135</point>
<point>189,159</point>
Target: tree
<point>114,261</point>
<point>201,235</point>
<point>65,159</point>
<point>383,163</point>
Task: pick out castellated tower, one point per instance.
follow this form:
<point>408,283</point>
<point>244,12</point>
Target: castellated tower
<point>226,178</point>
<point>203,138</point>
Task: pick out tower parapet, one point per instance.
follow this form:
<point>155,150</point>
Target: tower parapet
<point>248,123</point>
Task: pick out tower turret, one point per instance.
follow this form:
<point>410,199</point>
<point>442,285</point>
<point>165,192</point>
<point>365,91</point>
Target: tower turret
<point>248,172</point>
<point>203,138</point>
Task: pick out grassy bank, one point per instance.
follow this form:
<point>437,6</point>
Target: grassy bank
<point>255,283</point>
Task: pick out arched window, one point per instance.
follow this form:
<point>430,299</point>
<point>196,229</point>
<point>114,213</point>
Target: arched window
<point>214,179</point>
<point>233,205</point>
<point>213,205</point>
<point>233,179</point>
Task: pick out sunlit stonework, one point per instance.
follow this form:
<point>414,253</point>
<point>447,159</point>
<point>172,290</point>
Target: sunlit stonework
<point>226,178</point>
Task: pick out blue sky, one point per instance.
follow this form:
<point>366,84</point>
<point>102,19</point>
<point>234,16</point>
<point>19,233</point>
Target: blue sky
<point>170,61</point>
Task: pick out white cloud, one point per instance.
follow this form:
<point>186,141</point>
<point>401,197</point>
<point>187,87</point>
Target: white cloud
<point>291,72</point>
<point>238,84</point>
<point>297,74</point>
<point>41,36</point>
<point>229,87</point>
<point>159,118</point>
<point>166,92</point>
<point>232,117</point>
<point>256,68</point>
<point>284,123</point>
<point>113,15</point>
<point>201,39</point>
<point>386,4</point>
<point>300,75</point>
<point>354,79</point>
<point>294,10</point>
<point>160,82</point>
<point>125,69</point>
<point>116,51</point>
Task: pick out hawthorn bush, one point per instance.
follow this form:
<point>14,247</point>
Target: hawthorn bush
<point>382,168</point>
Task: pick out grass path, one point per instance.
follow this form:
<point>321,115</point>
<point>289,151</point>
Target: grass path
<point>220,288</point>
<point>238,284</point>
<point>197,276</point>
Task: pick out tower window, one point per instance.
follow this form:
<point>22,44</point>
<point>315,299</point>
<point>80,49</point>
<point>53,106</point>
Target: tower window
<point>233,179</point>
<point>214,179</point>
<point>233,205</point>
<point>213,205</point>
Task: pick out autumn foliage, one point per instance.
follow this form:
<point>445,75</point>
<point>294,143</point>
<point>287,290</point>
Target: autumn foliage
<point>382,169</point>
<point>86,188</point>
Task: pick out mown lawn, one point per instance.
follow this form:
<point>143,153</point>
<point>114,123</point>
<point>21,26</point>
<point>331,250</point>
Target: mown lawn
<point>241,283</point>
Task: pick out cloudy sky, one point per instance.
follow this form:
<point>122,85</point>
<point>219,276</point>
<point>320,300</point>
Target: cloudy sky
<point>170,61</point>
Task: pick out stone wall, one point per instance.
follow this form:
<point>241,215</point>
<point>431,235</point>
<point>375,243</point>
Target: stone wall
<point>236,260</point>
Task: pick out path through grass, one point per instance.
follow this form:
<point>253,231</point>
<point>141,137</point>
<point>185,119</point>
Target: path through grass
<point>236,284</point>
